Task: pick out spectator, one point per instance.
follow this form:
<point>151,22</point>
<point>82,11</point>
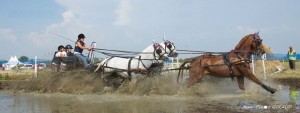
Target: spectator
<point>292,58</point>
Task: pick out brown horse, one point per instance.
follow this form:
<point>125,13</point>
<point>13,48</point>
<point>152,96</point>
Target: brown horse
<point>235,63</point>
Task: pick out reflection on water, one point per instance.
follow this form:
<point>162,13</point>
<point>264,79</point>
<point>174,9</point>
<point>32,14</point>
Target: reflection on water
<point>288,94</point>
<point>286,99</point>
<point>294,96</point>
<point>10,103</point>
<point>63,103</point>
<point>6,103</point>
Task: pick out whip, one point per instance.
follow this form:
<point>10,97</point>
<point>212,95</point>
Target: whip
<point>61,36</point>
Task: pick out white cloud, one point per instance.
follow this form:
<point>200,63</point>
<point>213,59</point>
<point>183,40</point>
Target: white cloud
<point>247,30</point>
<point>265,29</point>
<point>92,17</point>
<point>68,17</point>
<point>69,25</point>
<point>123,13</point>
<point>6,34</point>
<point>39,40</point>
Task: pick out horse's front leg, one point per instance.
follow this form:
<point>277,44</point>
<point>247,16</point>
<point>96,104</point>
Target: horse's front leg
<point>98,67</point>
<point>196,74</point>
<point>247,72</point>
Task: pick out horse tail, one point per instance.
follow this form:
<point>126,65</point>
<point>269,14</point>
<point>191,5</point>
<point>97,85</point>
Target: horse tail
<point>181,68</point>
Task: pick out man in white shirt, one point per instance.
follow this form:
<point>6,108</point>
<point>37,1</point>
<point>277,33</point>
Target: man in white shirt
<point>57,59</point>
<point>61,52</point>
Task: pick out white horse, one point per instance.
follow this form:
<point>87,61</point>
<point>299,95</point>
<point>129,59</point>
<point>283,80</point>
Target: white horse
<point>141,63</point>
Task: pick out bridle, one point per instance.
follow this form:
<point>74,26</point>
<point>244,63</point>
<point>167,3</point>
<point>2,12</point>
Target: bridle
<point>169,45</point>
<point>257,41</point>
<point>158,49</point>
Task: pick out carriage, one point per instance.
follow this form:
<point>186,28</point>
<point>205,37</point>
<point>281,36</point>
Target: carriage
<point>121,65</point>
<point>117,68</point>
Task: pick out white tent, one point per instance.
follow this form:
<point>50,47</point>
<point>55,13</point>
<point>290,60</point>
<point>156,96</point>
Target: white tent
<point>12,62</point>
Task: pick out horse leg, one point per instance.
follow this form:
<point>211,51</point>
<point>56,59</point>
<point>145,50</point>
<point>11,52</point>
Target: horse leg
<point>240,80</point>
<point>195,75</point>
<point>252,77</point>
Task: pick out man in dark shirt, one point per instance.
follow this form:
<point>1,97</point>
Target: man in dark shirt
<point>69,50</point>
<point>71,60</point>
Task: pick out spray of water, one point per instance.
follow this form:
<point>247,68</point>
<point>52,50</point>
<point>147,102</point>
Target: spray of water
<point>162,84</point>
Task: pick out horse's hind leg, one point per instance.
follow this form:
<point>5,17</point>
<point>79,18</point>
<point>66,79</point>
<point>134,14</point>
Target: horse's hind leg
<point>241,82</point>
<point>252,77</point>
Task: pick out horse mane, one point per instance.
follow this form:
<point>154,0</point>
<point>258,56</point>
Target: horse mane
<point>243,40</point>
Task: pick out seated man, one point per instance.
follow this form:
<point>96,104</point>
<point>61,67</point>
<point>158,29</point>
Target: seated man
<point>61,52</point>
<point>58,55</point>
<point>71,60</point>
<point>79,47</point>
<point>69,50</point>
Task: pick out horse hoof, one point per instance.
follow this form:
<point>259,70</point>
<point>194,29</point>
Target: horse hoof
<point>273,91</point>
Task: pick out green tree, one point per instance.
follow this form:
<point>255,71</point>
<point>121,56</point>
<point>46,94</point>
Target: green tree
<point>23,58</point>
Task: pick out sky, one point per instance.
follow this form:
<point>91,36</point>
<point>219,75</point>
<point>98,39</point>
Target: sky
<point>203,25</point>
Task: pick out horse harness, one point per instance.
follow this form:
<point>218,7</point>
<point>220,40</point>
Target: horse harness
<point>157,49</point>
<point>242,59</point>
<point>140,61</point>
<point>169,44</point>
<point>129,71</point>
<point>241,56</point>
<point>257,40</point>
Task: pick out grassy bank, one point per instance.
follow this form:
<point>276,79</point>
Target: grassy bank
<point>16,74</point>
<point>288,77</point>
<point>287,73</point>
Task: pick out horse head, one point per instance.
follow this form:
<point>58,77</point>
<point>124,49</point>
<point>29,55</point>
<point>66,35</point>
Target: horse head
<point>159,52</point>
<point>251,43</point>
<point>169,48</point>
<point>257,46</point>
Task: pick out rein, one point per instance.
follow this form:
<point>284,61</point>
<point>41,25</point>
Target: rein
<point>157,50</point>
<point>182,51</point>
<point>206,52</point>
<point>122,51</point>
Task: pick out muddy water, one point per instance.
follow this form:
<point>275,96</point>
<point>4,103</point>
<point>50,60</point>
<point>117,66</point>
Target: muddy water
<point>154,96</point>
<point>61,103</point>
<point>283,101</point>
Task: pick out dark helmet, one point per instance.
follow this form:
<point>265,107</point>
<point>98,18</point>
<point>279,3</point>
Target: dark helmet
<point>68,47</point>
<point>81,36</point>
<point>61,46</point>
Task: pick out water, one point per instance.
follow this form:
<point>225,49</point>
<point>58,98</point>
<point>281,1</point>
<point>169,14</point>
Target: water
<point>163,95</point>
<point>284,100</point>
<point>61,103</point>
<point>10,103</point>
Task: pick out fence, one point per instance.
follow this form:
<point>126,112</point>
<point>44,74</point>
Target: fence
<point>279,56</point>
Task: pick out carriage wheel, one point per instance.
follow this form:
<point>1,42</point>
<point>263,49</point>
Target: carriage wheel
<point>55,68</point>
<point>115,80</point>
